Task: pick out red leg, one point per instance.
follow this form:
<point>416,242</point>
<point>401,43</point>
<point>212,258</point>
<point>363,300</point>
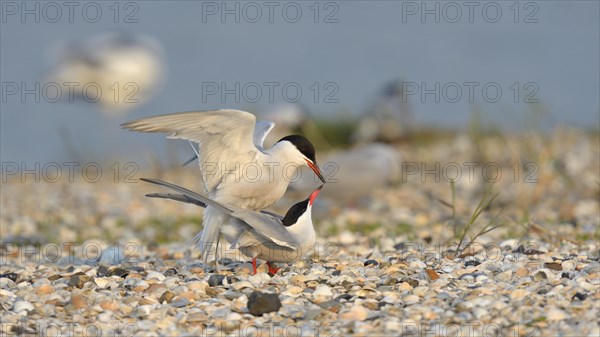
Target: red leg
<point>272,270</point>
<point>254,265</point>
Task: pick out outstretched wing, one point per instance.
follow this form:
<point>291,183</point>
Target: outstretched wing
<point>225,137</point>
<point>261,130</point>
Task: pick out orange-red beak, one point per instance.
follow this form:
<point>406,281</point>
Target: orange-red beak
<point>314,194</point>
<point>316,170</point>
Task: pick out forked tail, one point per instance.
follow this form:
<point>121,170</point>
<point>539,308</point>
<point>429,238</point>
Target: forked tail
<point>208,239</point>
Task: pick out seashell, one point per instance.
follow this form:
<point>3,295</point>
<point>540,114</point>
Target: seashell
<point>356,313</point>
<point>197,285</point>
<point>22,306</point>
<point>259,279</point>
<point>367,292</point>
<point>111,305</point>
<point>322,293</point>
<point>102,282</point>
<point>154,275</point>
<point>44,289</point>
<point>293,291</point>
<point>144,301</point>
<point>78,301</point>
<point>242,285</point>
<point>410,299</point>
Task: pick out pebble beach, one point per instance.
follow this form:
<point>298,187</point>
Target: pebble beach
<point>508,247</point>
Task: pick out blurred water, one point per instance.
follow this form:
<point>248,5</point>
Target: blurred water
<point>368,46</point>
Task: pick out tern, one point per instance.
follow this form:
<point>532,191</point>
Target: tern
<point>236,169</point>
<point>124,67</point>
<point>258,235</point>
<point>389,119</point>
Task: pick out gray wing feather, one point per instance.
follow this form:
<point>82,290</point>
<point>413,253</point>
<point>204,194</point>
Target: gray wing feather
<point>264,224</point>
<point>273,214</point>
<point>177,197</point>
<point>189,200</point>
<point>190,194</point>
<point>267,226</point>
<point>261,130</point>
<point>213,130</point>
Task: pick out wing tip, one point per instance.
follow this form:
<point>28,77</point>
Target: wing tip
<point>169,122</point>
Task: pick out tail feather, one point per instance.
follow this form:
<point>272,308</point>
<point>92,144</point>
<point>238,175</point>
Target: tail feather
<point>207,240</point>
<point>177,197</point>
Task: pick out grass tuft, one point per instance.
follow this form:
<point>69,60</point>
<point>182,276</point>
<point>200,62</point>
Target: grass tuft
<point>461,230</point>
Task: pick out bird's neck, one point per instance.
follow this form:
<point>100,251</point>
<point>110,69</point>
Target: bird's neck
<point>285,153</point>
<point>303,228</point>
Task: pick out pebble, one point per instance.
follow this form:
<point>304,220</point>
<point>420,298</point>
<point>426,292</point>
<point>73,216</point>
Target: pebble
<point>540,275</point>
<point>117,272</point>
<point>78,301</point>
<point>170,272</point>
<point>410,282</point>
<point>518,294</point>
<point>102,282</point>
<point>216,280</point>
<point>411,299</point>
<point>331,305</point>
<point>111,305</point>
<point>556,315</point>
<point>373,263</point>
<point>472,263</point>
<point>553,266</point>
<point>322,293</point>
<point>21,306</point>
<point>44,289</point>
<point>504,276</point>
<point>156,276</point>
<point>529,251</point>
<point>112,256</point>
<point>11,276</point>
<point>568,265</point>
<point>432,274</point>
<point>79,280</point>
<point>180,302</point>
<point>522,272</point>
<point>167,297</point>
<point>260,303</point>
<point>259,279</point>
<point>102,271</point>
<point>105,317</point>
<point>355,313</point>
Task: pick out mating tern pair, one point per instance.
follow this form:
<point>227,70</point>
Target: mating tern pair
<point>258,235</point>
<point>230,139</point>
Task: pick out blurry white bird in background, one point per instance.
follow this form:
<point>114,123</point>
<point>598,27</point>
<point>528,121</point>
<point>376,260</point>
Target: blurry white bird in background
<point>388,119</point>
<point>117,71</point>
<point>352,174</point>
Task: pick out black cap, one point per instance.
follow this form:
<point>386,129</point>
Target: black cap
<point>296,211</point>
<point>303,145</point>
